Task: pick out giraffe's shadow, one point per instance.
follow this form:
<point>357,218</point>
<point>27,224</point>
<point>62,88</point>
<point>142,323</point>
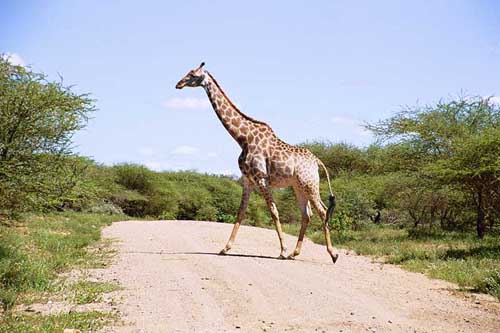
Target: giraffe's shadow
<point>241,255</point>
<point>228,255</point>
<point>206,254</point>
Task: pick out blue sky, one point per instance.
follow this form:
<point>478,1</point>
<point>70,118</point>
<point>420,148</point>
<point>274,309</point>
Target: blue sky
<point>312,70</point>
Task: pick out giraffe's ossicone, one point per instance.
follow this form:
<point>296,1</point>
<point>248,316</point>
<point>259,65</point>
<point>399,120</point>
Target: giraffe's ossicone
<point>267,162</point>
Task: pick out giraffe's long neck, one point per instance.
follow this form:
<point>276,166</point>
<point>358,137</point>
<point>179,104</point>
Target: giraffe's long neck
<point>236,123</point>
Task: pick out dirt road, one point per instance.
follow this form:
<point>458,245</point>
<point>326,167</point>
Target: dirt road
<point>174,282</point>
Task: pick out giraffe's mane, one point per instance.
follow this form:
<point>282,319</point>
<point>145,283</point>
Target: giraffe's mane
<point>234,106</point>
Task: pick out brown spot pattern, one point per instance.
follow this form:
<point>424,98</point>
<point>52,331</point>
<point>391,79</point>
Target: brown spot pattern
<point>267,162</point>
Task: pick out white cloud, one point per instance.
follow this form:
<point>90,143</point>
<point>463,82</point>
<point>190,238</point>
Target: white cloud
<point>494,100</point>
<point>184,150</point>
<point>153,165</point>
<point>227,172</point>
<point>15,59</point>
<point>363,131</point>
<point>186,103</point>
<point>183,157</point>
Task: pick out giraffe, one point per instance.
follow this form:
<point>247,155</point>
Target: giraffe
<point>267,162</point>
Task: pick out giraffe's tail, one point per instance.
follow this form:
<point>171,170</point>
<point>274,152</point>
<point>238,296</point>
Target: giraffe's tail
<point>331,198</point>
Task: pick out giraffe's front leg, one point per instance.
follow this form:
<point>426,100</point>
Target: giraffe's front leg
<point>247,189</point>
<point>266,192</point>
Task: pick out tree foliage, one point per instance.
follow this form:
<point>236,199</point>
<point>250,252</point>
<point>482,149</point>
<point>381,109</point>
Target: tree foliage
<point>38,118</point>
<point>437,166</point>
<point>454,147</point>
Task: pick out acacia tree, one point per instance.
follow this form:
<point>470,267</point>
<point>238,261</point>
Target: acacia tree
<point>455,143</point>
<point>475,167</point>
<point>38,118</point>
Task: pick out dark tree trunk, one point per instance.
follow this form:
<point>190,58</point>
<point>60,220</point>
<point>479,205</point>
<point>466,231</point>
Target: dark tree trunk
<point>442,219</point>
<point>480,225</point>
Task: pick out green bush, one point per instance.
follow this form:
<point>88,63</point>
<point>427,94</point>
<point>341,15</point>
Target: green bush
<point>341,223</point>
<point>105,208</point>
<point>135,178</point>
<point>490,284</point>
<point>38,119</point>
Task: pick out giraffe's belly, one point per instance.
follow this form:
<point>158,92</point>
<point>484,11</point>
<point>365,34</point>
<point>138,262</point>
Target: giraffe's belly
<point>281,173</point>
<point>281,182</point>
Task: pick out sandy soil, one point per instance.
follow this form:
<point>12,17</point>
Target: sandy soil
<point>174,282</point>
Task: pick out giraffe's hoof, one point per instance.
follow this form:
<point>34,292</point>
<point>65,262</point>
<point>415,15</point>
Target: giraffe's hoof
<point>335,257</point>
<point>223,252</point>
<point>291,257</point>
<point>282,257</point>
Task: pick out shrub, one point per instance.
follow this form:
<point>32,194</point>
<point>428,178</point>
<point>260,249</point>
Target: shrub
<point>38,120</point>
<point>491,284</point>
<point>135,178</point>
<point>105,208</point>
<point>341,222</point>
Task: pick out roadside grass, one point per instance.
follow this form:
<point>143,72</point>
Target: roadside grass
<point>456,257</point>
<point>84,292</point>
<point>35,250</point>
<point>80,292</point>
<point>81,321</point>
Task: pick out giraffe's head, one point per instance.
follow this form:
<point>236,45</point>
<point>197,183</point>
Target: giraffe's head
<point>194,78</point>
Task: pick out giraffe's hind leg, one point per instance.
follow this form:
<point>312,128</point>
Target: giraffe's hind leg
<point>320,208</point>
<point>247,190</point>
<point>266,192</point>
<point>305,209</point>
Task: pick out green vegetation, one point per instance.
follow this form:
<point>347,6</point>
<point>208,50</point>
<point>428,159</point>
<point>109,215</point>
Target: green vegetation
<point>426,196</point>
<point>34,250</point>
<point>37,121</point>
<point>452,256</point>
<point>454,150</point>
<point>84,321</point>
<point>40,175</point>
<point>84,292</point>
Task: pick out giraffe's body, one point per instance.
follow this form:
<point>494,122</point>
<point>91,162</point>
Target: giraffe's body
<point>266,162</point>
